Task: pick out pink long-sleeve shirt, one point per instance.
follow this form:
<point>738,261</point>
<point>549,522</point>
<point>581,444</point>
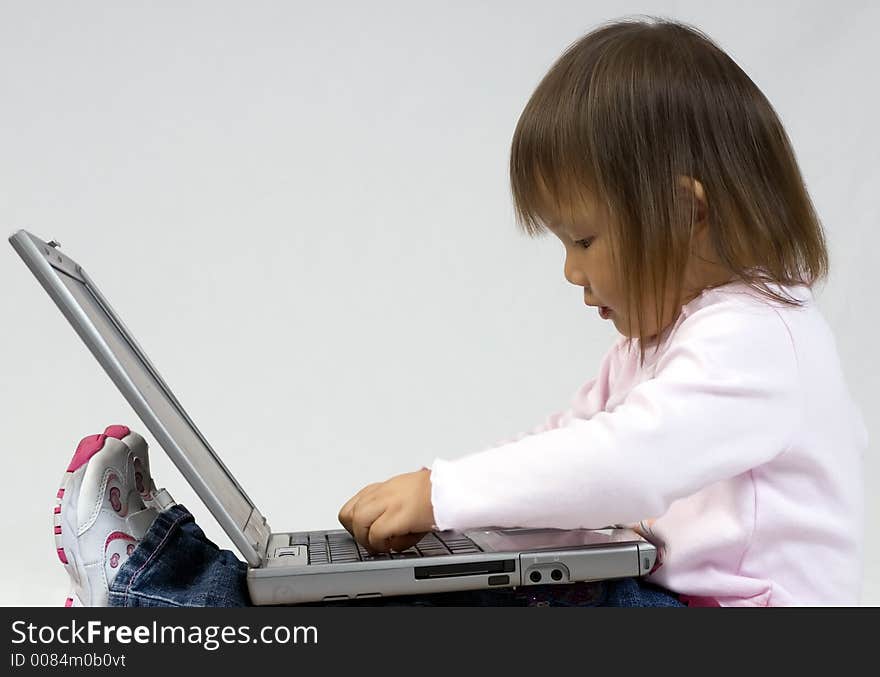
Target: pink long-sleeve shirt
<point>736,449</point>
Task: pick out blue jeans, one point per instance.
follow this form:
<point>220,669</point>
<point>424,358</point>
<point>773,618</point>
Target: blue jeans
<point>176,565</point>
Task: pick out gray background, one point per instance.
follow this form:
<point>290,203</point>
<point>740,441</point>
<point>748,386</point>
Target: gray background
<point>303,214</point>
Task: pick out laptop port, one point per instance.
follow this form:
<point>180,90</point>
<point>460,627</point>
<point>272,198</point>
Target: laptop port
<point>464,569</point>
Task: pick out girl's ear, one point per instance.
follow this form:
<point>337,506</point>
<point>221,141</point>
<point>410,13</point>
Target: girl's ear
<point>694,190</point>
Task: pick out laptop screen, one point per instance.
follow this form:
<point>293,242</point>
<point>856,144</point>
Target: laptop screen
<point>203,460</point>
<point>103,332</point>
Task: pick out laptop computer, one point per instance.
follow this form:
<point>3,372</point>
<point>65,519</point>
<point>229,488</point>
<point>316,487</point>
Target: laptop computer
<point>290,567</point>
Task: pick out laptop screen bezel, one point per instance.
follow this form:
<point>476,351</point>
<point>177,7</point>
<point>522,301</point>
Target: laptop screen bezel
<point>47,264</point>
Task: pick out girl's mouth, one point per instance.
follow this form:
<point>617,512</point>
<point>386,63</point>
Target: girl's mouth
<point>605,312</point>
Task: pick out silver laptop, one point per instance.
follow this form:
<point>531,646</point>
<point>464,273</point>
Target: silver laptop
<point>290,567</point>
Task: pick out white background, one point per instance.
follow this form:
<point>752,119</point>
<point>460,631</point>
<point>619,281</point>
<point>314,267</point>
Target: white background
<point>302,212</point>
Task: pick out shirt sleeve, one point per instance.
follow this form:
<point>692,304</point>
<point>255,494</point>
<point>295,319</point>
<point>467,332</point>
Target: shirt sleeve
<point>724,399</point>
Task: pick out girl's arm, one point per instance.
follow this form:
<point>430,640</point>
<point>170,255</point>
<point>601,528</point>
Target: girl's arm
<point>394,514</point>
<point>725,399</point>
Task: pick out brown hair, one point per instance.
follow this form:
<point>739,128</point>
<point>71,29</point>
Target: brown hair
<point>636,103</point>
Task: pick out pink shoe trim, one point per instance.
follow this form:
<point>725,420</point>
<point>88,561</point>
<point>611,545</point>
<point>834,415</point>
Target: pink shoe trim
<point>68,601</point>
<point>88,447</point>
<point>62,556</point>
<point>115,500</point>
<point>117,431</point>
<point>60,493</point>
<point>116,535</point>
<point>57,530</point>
<point>57,509</point>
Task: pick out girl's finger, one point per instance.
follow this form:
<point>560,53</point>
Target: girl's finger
<point>388,530</point>
<point>364,515</point>
<point>345,511</point>
<point>405,541</point>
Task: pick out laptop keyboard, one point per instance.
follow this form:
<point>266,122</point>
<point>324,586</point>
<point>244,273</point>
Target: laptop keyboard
<point>339,548</point>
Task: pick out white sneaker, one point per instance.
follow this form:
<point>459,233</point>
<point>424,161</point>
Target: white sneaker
<point>99,516</point>
<point>146,487</point>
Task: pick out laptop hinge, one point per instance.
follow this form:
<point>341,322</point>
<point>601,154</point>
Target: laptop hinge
<point>257,533</point>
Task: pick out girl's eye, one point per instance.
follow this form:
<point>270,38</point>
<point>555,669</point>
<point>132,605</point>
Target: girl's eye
<point>585,243</point>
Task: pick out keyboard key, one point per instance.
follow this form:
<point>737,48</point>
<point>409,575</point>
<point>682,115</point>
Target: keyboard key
<point>427,550</point>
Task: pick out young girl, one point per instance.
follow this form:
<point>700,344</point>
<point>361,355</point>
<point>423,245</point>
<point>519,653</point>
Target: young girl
<point>719,425</point>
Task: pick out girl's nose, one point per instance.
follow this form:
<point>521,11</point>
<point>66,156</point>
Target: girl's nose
<point>574,276</point>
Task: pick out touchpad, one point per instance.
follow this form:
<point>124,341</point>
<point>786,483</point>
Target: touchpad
<point>541,539</point>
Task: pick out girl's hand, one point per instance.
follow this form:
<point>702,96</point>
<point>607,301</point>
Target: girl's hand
<point>393,514</point>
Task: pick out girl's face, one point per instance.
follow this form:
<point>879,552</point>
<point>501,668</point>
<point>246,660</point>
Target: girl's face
<point>584,234</point>
<point>588,265</point>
